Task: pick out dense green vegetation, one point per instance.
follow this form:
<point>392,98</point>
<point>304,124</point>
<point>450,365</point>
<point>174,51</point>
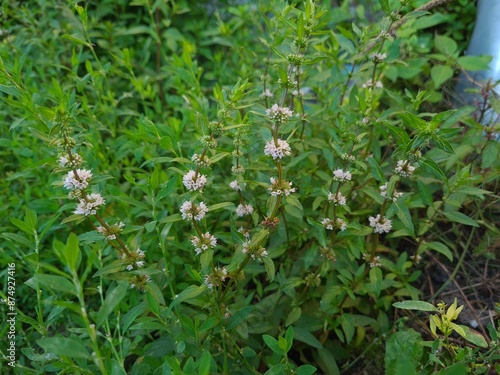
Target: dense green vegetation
<point>237,187</point>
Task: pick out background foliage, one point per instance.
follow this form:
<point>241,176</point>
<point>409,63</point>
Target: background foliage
<point>138,84</point>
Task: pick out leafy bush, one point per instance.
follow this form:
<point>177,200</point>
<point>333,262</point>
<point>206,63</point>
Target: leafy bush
<point>188,190</point>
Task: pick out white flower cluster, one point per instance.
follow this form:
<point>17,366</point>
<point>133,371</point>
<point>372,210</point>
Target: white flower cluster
<point>201,160</point>
<point>338,223</point>
<point>395,194</point>
<point>404,168</point>
<point>337,199</point>
<point>348,157</point>
<point>190,211</point>
<point>284,188</point>
<point>381,224</point>
<point>89,205</point>
<point>194,181</point>
<point>374,262</point>
<point>66,162</point>
<point>278,149</point>
<point>279,114</point>
<point>378,57</point>
<point>112,230</point>
<point>340,175</point>
<point>237,169</point>
<point>370,84</point>
<point>244,209</point>
<point>266,94</point>
<point>205,242</point>
<point>71,182</point>
<point>256,254</point>
<point>235,185</point>
<point>134,259</point>
<point>245,232</point>
<point>216,278</point>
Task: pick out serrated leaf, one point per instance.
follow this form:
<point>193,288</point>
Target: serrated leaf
<point>445,44</point>
<point>431,166</point>
<point>440,74</point>
<point>415,305</point>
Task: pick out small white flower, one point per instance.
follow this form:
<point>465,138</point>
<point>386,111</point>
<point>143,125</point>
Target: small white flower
<point>370,84</point>
<point>216,278</point>
<point>340,175</point>
<point>207,241</point>
<point>381,224</point>
<point>266,94</point>
<point>279,114</point>
<point>71,182</point>
<point>235,185</point>
<point>89,205</point>
<point>112,230</point>
<point>378,57</point>
<point>194,181</point>
<point>284,188</point>
<point>256,253</point>
<point>244,209</point>
<point>337,199</point>
<point>395,194</point>
<point>277,150</point>
<point>201,161</point>
<point>374,262</point>
<point>238,169</point>
<point>190,211</point>
<point>404,168</point>
<point>244,232</point>
<point>338,223</point>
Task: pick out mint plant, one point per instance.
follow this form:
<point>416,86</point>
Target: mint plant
<point>189,190</point>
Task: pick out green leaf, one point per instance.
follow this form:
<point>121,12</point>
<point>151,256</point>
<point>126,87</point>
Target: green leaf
<point>415,305</point>
<point>219,206</point>
<point>192,291</point>
<point>269,265</point>
<point>112,299</point>
<point>302,334</point>
<point>10,90</point>
<point>54,282</point>
<point>445,44</point>
<point>131,315</point>
<point>238,317</point>
<point>25,227</point>
<point>431,166</point>
<point>459,217</point>
<point>76,38</point>
<point>474,63</point>
<point>64,347</point>
<point>293,315</point>
<point>440,248</point>
<point>272,343</point>
<point>289,338</point>
<point>152,303</point>
<point>305,370</point>
<point>204,363</point>
<point>440,74</point>
<point>404,215</point>
<point>17,238</point>
<point>72,252</point>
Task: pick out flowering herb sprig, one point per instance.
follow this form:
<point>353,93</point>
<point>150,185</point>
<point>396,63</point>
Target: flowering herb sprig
<point>77,181</point>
